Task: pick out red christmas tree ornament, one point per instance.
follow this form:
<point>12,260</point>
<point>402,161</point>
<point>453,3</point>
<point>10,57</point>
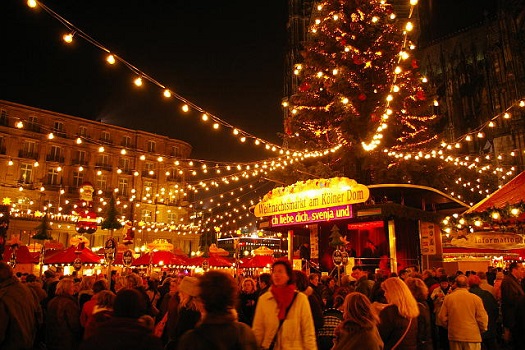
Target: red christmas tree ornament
<point>420,95</point>
<point>304,87</point>
<point>357,60</point>
<point>415,64</point>
<point>343,42</point>
<point>361,97</point>
<point>374,118</point>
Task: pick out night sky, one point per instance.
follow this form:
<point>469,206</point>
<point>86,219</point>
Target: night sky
<point>226,56</point>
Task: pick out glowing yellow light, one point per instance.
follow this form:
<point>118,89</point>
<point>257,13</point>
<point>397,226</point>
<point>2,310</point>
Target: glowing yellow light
<point>495,215</point>
<point>10,162</point>
<point>79,141</point>
<point>123,151</point>
<point>185,108</point>
<point>68,38</point>
<point>389,98</point>
<point>395,88</point>
<point>345,100</point>
<point>320,74</point>
<point>515,211</point>
<point>436,103</point>
<point>36,164</point>
<point>468,138</point>
<point>506,115</point>
<point>392,16</point>
<point>19,124</point>
<point>160,159</point>
<point>491,124</point>
<point>101,149</point>
<point>235,132</point>
<point>481,135</point>
<point>167,93</point>
<point>50,136</point>
<point>478,223</point>
<point>397,70</point>
<point>31,3</point>
<point>205,117</point>
<point>138,81</point>
<point>424,80</point>
<point>142,157</point>
<point>285,104</point>
<point>336,17</point>
<point>110,59</point>
<point>522,103</point>
<point>409,26</point>
<point>413,2</point>
<point>216,126</point>
<point>375,19</point>
<point>335,71</point>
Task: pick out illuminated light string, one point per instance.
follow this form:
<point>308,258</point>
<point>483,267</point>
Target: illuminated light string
<point>141,76</point>
<point>398,71</point>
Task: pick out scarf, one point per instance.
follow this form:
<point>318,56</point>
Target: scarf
<point>283,296</point>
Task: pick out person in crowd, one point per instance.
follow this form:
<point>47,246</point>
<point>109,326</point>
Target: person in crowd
<point>264,281</point>
<point>363,284</point>
<point>430,281</point>
<point>370,256</point>
<point>126,330</point>
<point>301,282</point>
<point>497,285</point>
<point>164,289</point>
<point>50,285</point>
<point>136,282</point>
<point>85,291</point>
<point>169,310</point>
<point>283,320</point>
<point>491,307</point>
<point>18,312</point>
<point>484,284</point>
<point>188,313</point>
<point>153,293</point>
<point>377,294</point>
<point>314,281</point>
<point>464,316</point>
<point>219,328</point>
<point>247,301</point>
<point>119,283</point>
<point>89,305</point>
<point>332,317</point>
<point>359,330</point>
<point>419,290</point>
<point>398,320</point>
<point>511,291</point>
<point>403,274</point>
<point>440,271</point>
<point>437,297</point>
<point>102,311</point>
<point>328,293</point>
<point>36,286</point>
<point>63,330</point>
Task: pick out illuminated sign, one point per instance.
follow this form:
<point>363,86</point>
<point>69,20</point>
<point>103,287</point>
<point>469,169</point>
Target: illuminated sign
<point>310,195</point>
<point>492,240</point>
<point>310,216</point>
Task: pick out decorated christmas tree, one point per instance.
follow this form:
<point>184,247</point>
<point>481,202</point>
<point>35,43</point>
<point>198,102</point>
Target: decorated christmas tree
<point>111,221</point>
<point>335,237</point>
<point>359,86</point>
<point>43,229</point>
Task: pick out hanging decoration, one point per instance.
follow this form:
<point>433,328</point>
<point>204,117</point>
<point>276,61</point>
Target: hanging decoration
<point>87,218</point>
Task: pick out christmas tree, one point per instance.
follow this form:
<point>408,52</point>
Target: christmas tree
<point>42,230</point>
<point>335,237</point>
<point>360,87</point>
<point>111,221</point>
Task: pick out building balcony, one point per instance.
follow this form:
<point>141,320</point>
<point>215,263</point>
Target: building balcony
<point>27,155</point>
<point>32,127</point>
<point>54,158</point>
<point>145,173</point>
<point>59,133</point>
<point>104,166</point>
<point>106,141</point>
<point>82,162</point>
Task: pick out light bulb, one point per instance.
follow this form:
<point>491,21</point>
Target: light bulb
<point>110,59</point>
<point>138,81</point>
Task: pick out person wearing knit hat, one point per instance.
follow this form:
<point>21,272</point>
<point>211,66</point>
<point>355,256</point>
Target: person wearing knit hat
<point>190,286</point>
<point>188,313</point>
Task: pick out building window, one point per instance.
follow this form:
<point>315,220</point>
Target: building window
<point>102,182</point>
<point>3,117</point>
<point>29,147</point>
<point>146,215</point>
<point>172,217</point>
<point>83,131</point>
<point>175,151</point>
<point>123,186</point>
<point>58,127</point>
<point>80,158</point>
<point>126,141</point>
<point>152,146</point>
<point>124,164</point>
<point>26,173</point>
<point>52,176</point>
<point>103,161</point>
<point>78,179</point>
<point>149,166</point>
<point>32,123</point>
<point>2,145</point>
<point>55,154</point>
<point>105,136</point>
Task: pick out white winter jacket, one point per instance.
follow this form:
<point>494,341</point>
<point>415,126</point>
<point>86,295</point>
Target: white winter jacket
<point>297,331</point>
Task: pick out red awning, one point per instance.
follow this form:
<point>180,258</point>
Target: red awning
<point>69,255</point>
<point>158,257</point>
<point>23,256</point>
<point>213,261</point>
<point>511,193</point>
<point>259,261</point>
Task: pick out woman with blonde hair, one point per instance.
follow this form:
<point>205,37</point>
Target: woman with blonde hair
<point>247,301</point>
<point>358,331</point>
<point>398,320</point>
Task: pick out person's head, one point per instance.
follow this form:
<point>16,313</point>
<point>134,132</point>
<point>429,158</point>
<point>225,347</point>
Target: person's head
<point>6,272</point>
<point>427,274</point>
<point>129,303</point>
<point>418,288</point>
<point>301,281</point>
<point>174,286</point>
<point>314,278</point>
<point>443,282</point>
<point>48,274</point>
<point>265,279</point>
<point>515,269</point>
<point>121,282</point>
<point>440,271</point>
<point>66,286</point>
<point>358,310</point>
<point>461,281</point>
<point>474,280</point>
<point>134,280</point>
<point>100,285</point>
<point>218,292</point>
<point>482,275</point>
<point>330,282</point>
<point>358,272</point>
<point>282,274</point>
<point>248,285</point>
<point>87,283</point>
<point>397,293</point>
<point>105,298</point>
<point>30,278</point>
<point>338,301</point>
<point>188,288</point>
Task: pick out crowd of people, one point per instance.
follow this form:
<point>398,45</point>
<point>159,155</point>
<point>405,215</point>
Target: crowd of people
<point>285,309</point>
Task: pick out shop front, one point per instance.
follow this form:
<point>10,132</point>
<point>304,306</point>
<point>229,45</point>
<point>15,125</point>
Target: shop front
<point>387,227</point>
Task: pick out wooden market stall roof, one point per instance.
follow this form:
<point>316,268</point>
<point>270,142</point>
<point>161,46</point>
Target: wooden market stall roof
<point>511,193</point>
